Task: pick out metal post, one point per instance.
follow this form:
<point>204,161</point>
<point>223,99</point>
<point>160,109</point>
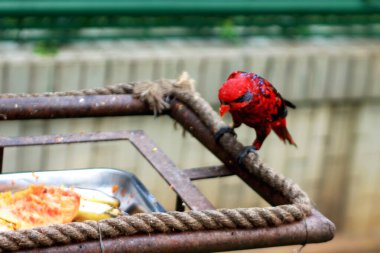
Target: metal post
<point>1,159</point>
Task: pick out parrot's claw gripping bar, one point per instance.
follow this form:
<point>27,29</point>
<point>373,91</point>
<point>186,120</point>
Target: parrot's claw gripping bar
<point>222,131</point>
<point>244,152</point>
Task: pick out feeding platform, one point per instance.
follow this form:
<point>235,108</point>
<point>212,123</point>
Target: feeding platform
<point>291,220</point>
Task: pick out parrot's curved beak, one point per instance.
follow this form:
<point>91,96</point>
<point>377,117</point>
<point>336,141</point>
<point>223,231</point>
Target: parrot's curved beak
<point>223,109</point>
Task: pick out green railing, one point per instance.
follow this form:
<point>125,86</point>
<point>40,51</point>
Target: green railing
<point>63,21</point>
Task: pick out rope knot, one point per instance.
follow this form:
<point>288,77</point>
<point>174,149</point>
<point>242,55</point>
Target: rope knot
<point>156,93</point>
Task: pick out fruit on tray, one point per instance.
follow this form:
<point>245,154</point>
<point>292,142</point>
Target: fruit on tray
<point>97,197</point>
<point>96,205</point>
<point>89,210</point>
<point>40,205</point>
<point>37,205</point>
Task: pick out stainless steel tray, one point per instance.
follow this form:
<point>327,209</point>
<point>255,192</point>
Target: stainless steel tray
<point>133,195</point>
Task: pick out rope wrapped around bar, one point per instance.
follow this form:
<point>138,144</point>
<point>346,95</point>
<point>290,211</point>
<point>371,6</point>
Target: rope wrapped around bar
<point>155,93</point>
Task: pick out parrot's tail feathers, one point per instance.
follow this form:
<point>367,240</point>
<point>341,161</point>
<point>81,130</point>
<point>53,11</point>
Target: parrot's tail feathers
<point>284,134</point>
<point>290,104</point>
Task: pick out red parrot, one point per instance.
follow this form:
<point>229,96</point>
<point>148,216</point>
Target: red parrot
<point>254,101</point>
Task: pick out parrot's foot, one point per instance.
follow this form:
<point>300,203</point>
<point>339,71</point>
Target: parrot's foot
<point>222,131</point>
<point>244,152</point>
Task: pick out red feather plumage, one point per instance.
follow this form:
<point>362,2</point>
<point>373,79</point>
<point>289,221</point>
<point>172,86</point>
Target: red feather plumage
<point>254,101</point>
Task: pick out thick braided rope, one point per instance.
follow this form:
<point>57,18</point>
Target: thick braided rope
<point>112,89</point>
<point>151,92</point>
<point>246,218</point>
<point>75,232</point>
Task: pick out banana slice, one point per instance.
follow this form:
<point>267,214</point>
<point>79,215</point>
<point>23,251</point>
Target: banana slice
<point>97,197</point>
<point>89,210</point>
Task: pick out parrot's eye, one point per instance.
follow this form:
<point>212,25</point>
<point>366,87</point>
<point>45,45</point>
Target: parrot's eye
<point>245,98</point>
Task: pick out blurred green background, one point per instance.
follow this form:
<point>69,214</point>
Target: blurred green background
<point>322,55</point>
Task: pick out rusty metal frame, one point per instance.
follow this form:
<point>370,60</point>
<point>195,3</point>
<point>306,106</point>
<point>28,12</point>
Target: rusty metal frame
<point>313,229</point>
<point>177,180</point>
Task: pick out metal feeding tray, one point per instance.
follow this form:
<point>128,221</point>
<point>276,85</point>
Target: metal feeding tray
<point>124,186</point>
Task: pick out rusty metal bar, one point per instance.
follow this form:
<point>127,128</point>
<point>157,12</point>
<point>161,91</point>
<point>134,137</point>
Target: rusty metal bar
<point>71,107</point>
<point>65,138</point>
<point>208,172</point>
<point>158,159</point>
<point>181,184</point>
<point>1,158</point>
<point>319,229</point>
